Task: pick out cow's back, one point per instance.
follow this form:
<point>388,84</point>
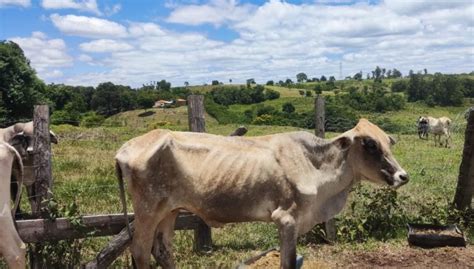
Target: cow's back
<point>207,173</point>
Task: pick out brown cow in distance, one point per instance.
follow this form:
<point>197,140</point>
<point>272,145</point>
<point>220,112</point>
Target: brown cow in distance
<point>295,180</point>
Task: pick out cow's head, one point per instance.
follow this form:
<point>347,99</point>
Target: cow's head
<point>370,156</point>
<point>422,120</point>
<point>27,131</point>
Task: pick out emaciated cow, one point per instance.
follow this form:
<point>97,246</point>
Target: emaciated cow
<point>438,127</point>
<point>295,180</point>
<point>11,246</point>
<point>21,137</point>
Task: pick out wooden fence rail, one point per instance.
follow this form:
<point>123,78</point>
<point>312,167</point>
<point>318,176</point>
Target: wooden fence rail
<point>41,230</point>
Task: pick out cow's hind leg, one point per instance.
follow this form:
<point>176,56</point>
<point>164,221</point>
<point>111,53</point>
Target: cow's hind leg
<point>162,246</point>
<point>146,222</point>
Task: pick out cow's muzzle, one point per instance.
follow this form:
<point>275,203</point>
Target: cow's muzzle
<point>397,179</point>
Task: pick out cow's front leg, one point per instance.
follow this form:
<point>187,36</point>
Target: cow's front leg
<point>287,230</point>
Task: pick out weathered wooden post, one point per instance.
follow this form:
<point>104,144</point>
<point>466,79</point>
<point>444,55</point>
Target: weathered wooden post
<point>320,118</point>
<point>197,123</point>
<point>43,175</point>
<point>465,187</point>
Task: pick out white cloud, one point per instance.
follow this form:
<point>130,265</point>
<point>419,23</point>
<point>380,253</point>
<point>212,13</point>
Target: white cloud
<point>105,45</point>
<point>82,5</point>
<point>45,54</point>
<point>278,39</point>
<point>109,11</point>
<point>85,58</point>
<point>88,26</point>
<point>425,6</point>
<point>53,74</point>
<point>217,12</point>
<point>23,3</point>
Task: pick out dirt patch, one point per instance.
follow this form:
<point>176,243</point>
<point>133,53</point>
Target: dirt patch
<point>407,257</point>
<point>270,260</point>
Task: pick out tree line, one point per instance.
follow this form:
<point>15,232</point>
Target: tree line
<point>21,89</point>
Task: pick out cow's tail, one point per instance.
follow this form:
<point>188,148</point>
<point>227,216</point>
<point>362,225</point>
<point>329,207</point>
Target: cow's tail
<point>18,171</point>
<point>119,174</point>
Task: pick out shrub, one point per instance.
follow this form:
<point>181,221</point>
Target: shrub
<point>65,117</point>
<point>271,94</point>
<point>288,108</point>
<point>92,119</point>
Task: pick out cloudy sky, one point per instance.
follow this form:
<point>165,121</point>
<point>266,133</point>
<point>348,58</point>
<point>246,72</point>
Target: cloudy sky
<point>85,42</point>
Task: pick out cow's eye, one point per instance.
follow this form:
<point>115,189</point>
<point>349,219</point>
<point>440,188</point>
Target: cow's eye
<point>369,144</point>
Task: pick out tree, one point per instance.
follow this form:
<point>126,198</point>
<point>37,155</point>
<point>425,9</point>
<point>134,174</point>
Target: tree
<point>425,71</point>
<point>20,88</point>
<point>164,86</point>
<point>399,86</point>
<point>288,81</point>
<point>323,78</point>
<point>251,81</point>
<point>288,108</point>
<point>230,80</point>
<point>270,83</point>
<point>215,82</point>
<point>301,92</point>
<point>396,73</point>
<point>318,89</point>
<point>109,99</point>
<point>332,78</point>
<point>308,93</point>
<point>358,76</point>
<point>301,77</point>
<point>378,73</point>
<point>186,83</point>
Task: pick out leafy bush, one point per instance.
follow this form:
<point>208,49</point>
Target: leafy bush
<point>66,117</point>
<point>376,100</point>
<point>64,253</point>
<point>92,119</point>
<point>374,214</point>
<point>271,94</point>
<point>288,108</point>
<point>221,113</point>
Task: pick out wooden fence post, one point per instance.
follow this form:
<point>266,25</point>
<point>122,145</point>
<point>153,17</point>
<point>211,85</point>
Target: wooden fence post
<point>197,123</point>
<point>465,187</point>
<point>196,120</point>
<point>320,118</point>
<point>42,164</point>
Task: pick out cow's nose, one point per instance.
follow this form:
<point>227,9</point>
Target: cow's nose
<point>404,177</point>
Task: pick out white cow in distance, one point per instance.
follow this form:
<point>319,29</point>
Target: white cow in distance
<point>12,247</point>
<point>438,127</point>
<point>294,180</point>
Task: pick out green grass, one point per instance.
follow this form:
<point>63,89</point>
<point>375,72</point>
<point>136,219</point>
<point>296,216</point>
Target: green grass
<point>83,172</point>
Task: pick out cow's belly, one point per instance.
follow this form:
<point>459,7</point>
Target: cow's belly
<point>223,208</point>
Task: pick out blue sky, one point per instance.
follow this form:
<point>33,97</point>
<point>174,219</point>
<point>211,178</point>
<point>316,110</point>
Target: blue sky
<point>85,42</point>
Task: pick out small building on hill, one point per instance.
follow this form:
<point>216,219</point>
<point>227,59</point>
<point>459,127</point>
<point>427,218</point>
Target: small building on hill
<point>180,102</point>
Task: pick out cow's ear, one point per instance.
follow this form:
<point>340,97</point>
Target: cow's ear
<point>18,127</point>
<point>392,140</point>
<point>53,137</point>
<point>343,142</point>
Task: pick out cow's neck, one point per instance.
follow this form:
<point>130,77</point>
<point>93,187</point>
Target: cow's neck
<point>333,181</point>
